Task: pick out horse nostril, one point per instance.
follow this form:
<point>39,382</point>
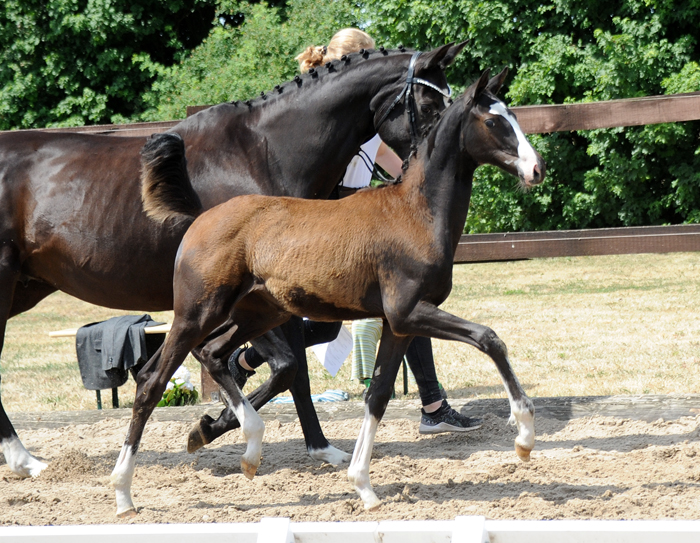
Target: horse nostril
<point>536,173</point>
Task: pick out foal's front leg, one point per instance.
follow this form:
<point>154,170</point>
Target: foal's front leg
<point>427,320</point>
<point>391,351</point>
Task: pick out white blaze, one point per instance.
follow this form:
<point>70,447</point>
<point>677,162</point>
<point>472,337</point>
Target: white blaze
<point>527,158</point>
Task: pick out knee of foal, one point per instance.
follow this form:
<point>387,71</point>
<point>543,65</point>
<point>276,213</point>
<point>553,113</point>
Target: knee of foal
<point>492,344</point>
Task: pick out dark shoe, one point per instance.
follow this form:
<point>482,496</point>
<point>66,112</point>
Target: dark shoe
<point>238,372</point>
<point>446,419</point>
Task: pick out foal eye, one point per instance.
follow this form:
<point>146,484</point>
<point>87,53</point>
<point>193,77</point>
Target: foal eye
<point>489,123</point>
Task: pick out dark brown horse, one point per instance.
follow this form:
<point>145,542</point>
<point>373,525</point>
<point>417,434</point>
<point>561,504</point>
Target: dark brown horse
<point>384,253</point>
<point>71,215</point>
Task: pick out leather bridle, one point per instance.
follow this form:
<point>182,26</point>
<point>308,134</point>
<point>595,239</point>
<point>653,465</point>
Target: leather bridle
<point>410,101</point>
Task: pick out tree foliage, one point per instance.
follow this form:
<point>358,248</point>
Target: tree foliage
<point>238,62</point>
<point>77,62</point>
<point>562,51</point>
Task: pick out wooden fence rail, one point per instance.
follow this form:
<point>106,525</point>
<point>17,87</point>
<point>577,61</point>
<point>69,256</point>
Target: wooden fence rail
<point>601,241</point>
<point>532,119</point>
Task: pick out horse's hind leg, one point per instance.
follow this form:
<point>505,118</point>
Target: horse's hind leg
<point>273,346</point>
<point>427,320</point>
<point>194,320</point>
<point>317,445</point>
<point>19,460</point>
<point>391,352</point>
<point>214,356</point>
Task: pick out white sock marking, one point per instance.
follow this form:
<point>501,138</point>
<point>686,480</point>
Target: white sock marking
<point>19,460</point>
<point>358,472</point>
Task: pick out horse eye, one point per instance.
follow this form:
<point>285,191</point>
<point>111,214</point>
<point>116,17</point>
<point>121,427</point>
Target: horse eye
<point>425,109</point>
<point>489,123</point>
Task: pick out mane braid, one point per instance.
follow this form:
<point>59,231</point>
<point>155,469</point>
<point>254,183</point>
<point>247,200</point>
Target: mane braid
<point>336,66</point>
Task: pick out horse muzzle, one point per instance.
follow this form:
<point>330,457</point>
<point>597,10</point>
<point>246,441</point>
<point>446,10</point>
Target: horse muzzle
<point>532,172</point>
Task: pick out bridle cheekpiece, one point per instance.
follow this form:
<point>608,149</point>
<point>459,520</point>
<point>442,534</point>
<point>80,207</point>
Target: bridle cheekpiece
<point>407,93</point>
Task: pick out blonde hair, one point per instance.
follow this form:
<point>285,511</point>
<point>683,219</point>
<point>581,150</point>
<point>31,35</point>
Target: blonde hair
<point>347,40</point>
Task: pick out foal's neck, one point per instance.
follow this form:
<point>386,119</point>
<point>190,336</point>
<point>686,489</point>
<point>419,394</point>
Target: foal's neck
<point>439,181</point>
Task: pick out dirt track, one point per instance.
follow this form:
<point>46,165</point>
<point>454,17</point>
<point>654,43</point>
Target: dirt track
<point>592,467</point>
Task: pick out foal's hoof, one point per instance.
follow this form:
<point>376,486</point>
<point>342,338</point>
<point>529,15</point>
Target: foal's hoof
<point>523,453</point>
<point>129,513</point>
<point>249,469</point>
<point>196,439</point>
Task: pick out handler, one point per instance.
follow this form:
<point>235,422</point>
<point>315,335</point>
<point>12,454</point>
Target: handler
<point>437,415</point>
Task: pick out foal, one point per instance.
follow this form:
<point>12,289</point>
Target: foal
<point>384,253</point>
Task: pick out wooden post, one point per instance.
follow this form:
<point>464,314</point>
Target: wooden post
<point>210,390</point>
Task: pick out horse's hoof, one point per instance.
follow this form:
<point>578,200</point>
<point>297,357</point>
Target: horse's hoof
<point>196,439</point>
<point>129,513</point>
<point>523,453</point>
<point>249,469</point>
<point>373,504</point>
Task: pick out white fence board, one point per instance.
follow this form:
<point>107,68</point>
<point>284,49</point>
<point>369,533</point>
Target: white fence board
<point>281,530</point>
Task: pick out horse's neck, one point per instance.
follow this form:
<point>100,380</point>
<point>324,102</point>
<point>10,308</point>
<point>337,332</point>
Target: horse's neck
<point>442,184</point>
<point>298,143</point>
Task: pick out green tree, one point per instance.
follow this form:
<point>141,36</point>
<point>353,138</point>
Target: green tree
<point>238,62</point>
<point>76,62</point>
<point>562,51</point>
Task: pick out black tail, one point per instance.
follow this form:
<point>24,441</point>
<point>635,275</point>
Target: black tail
<point>166,190</point>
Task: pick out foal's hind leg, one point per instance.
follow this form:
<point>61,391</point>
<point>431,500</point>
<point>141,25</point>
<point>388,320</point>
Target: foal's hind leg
<point>427,320</point>
<point>391,352</point>
<point>190,327</point>
<point>214,356</point>
<point>273,346</point>
<point>19,460</point>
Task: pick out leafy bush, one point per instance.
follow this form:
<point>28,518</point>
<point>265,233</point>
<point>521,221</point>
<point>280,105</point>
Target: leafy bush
<point>236,63</point>
<point>180,391</point>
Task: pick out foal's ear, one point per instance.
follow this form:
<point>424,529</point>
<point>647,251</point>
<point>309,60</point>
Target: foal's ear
<point>441,57</point>
<point>496,82</point>
<point>475,89</point>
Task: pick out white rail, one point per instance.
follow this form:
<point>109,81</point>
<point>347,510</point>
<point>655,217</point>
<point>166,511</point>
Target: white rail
<point>281,530</point>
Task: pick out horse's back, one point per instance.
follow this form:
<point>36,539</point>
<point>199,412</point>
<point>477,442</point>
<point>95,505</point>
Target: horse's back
<point>71,203</point>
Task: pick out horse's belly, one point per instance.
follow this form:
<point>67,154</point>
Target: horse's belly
<point>334,300</point>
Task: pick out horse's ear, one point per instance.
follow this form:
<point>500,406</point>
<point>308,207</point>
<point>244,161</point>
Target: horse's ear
<point>496,82</point>
<point>454,50</point>
<point>441,57</point>
<point>476,88</point>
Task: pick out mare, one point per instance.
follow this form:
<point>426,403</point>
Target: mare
<point>385,252</point>
<point>72,218</point>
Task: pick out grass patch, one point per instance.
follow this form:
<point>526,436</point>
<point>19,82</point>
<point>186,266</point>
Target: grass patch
<point>574,326</point>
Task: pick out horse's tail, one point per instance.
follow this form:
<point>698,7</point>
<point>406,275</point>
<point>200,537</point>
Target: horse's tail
<point>166,190</point>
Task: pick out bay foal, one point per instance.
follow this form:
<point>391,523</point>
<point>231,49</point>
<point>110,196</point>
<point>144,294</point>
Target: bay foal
<point>384,253</point>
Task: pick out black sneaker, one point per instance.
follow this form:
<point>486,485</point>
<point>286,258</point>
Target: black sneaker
<point>238,372</point>
<point>446,419</point>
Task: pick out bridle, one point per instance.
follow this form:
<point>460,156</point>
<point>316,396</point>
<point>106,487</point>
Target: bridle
<point>407,93</point>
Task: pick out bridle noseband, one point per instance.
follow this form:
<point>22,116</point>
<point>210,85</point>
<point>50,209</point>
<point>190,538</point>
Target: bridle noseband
<point>407,92</point>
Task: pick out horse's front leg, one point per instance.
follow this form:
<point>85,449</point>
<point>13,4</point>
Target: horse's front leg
<point>391,351</point>
<point>427,320</point>
<point>18,458</point>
